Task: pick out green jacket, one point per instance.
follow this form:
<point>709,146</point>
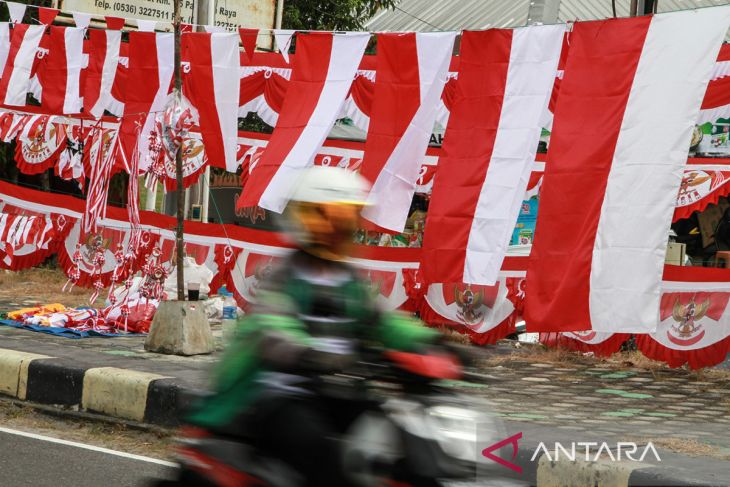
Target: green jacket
<point>235,379</point>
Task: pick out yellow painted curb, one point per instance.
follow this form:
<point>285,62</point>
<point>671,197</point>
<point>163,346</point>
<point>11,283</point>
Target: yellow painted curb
<point>117,392</point>
<point>14,371</point>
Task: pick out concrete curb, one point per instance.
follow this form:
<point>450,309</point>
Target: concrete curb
<point>566,473</point>
<point>120,393</point>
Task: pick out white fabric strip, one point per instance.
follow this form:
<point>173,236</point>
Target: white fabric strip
<point>347,51</point>
<point>74,38</point>
<point>4,44</point>
<point>108,72</point>
<point>20,71</point>
<point>628,255</point>
<point>3,228</point>
<point>392,193</point>
<point>533,61</point>
<point>226,86</point>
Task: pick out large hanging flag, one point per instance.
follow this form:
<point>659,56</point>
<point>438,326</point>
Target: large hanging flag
<point>15,81</point>
<point>504,84</point>
<point>628,101</point>
<point>212,86</point>
<point>323,70</point>
<point>102,70</point>
<point>151,65</point>
<point>60,72</point>
<point>410,76</point>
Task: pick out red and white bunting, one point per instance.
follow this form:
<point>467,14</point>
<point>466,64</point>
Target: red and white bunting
<point>15,82</point>
<point>60,71</point>
<point>248,41</point>
<point>40,143</point>
<point>102,70</point>
<point>503,89</point>
<point>392,161</point>
<point>608,195</point>
<point>322,74</point>
<point>46,15</point>
<point>694,326</point>
<point>282,39</point>
<point>17,11</point>
<point>82,20</point>
<point>151,65</point>
<point>212,86</point>
<point>486,313</point>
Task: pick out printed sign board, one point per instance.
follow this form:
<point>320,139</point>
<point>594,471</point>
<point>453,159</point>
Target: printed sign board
<point>230,14</point>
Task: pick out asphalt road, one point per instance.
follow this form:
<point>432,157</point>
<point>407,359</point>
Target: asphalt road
<point>40,461</point>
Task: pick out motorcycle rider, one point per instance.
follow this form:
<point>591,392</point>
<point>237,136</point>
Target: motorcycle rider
<point>256,393</point>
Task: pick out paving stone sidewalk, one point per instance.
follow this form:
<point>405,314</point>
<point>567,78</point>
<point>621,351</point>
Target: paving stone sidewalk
<point>593,397</point>
<point>581,395</point>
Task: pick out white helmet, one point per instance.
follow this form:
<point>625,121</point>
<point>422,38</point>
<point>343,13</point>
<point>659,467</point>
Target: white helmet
<point>331,184</point>
<point>323,211</point>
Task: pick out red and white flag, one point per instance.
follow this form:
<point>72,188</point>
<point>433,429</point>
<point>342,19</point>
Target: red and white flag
<point>151,65</point>
<point>15,81</point>
<point>609,190</point>
<point>212,86</point>
<point>410,77</point>
<point>102,70</point>
<point>60,72</point>
<point>504,85</point>
<point>323,69</point>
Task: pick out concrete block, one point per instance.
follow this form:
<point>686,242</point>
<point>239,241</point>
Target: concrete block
<point>14,371</point>
<point>180,328</point>
<point>117,392</point>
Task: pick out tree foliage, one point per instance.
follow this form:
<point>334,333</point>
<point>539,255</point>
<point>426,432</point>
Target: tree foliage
<point>331,14</point>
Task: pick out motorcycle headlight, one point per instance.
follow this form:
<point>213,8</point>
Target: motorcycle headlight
<point>457,431</point>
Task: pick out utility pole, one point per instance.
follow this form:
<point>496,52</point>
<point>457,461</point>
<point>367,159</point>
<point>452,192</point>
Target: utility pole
<point>180,233</point>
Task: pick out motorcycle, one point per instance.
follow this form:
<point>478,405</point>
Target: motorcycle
<point>416,433</point>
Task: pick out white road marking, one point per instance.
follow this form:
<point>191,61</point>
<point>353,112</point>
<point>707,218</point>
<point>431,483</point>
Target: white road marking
<point>87,447</point>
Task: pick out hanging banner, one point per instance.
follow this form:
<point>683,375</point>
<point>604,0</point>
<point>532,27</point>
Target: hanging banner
<point>251,267</point>
<point>485,313</point>
<point>40,143</point>
<point>699,189</point>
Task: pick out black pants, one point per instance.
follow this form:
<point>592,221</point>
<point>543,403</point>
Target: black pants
<point>303,432</point>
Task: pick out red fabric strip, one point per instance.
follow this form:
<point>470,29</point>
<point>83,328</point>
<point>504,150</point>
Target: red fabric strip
<point>52,72</point>
<point>141,87</point>
<point>97,55</point>
<point>397,96</point>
